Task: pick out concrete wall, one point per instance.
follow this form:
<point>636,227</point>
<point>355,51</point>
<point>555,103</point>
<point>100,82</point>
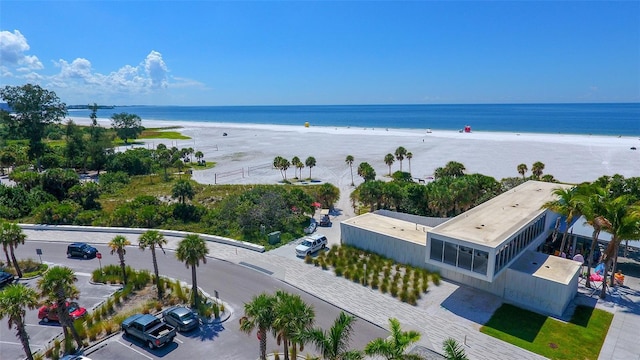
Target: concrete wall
<point>537,294</point>
<point>402,251</point>
<point>181,234</point>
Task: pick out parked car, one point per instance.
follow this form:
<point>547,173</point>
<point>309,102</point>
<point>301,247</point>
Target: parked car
<point>325,221</point>
<point>181,318</point>
<point>82,250</point>
<point>311,244</point>
<point>313,225</point>
<point>50,313</point>
<point>74,357</point>
<point>6,278</point>
<point>149,329</point>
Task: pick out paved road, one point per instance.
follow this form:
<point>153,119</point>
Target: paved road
<point>236,284</point>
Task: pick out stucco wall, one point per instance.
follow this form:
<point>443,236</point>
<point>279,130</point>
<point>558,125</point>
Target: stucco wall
<point>541,295</point>
<point>402,251</point>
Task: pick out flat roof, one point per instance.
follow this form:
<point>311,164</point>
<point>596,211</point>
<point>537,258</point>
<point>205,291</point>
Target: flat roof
<point>399,229</point>
<point>493,221</point>
<point>548,267</point>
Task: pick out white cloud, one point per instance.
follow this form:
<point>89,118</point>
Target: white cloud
<point>156,69</point>
<point>13,46</point>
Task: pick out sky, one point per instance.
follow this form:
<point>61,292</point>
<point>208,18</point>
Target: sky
<point>323,52</point>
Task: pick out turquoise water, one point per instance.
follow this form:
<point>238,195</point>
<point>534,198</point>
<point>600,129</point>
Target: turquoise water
<point>600,119</point>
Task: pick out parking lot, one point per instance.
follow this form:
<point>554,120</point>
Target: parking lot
<point>42,334</point>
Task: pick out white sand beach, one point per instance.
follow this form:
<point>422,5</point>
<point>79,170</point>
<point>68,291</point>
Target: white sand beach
<point>244,156</point>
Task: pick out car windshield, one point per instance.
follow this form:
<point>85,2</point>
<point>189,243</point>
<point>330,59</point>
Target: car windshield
<point>84,247</point>
<point>72,308</point>
<point>186,317</point>
<point>306,243</point>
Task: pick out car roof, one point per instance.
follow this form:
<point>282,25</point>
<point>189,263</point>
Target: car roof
<point>78,244</point>
<point>315,236</point>
<point>180,310</point>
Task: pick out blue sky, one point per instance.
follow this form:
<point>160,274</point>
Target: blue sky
<point>323,52</point>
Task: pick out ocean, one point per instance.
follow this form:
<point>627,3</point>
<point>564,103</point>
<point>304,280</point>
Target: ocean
<point>597,119</point>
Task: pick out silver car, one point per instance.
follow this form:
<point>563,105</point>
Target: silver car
<point>181,318</point>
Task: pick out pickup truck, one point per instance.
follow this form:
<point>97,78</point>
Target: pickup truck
<point>148,328</point>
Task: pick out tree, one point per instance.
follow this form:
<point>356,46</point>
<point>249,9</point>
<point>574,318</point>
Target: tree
<point>522,169</point>
<point>259,315</point>
<point>394,347</point>
<point>400,155</point>
<point>623,213</point>
<point>409,157</point>
<point>366,171</point>
<point>453,350</point>
<point>34,109</point>
<point>567,205</point>
<point>118,246</point>
<point>298,165</point>
<point>199,156</point>
<point>328,194</point>
<point>310,162</point>
<point>57,286</point>
<point>333,344</point>
<point>536,169</point>
<point>183,190</point>
<point>389,159</point>
<point>150,239</point>
<point>349,160</point>
<point>191,251</point>
<point>11,235</point>
<point>99,142</point>
<point>292,317</point>
<point>13,301</point>
<point>281,164</point>
<point>75,146</point>
<point>127,126</point>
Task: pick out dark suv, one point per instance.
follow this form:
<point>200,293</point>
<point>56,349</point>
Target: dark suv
<point>6,278</point>
<point>81,250</point>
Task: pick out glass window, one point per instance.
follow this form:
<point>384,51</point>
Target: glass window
<point>450,253</point>
<point>465,254</point>
<point>480,260</point>
<point>436,249</point>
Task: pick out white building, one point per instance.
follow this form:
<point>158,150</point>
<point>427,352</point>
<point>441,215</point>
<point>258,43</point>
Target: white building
<point>491,247</point>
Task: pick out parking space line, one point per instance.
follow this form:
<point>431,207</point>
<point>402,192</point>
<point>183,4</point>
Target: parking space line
<point>10,343</point>
<point>138,351</point>
<point>178,340</point>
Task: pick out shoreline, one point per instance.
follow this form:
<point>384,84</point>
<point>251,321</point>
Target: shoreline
<point>595,139</point>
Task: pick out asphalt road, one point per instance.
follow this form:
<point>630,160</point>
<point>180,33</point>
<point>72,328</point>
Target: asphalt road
<point>235,284</point>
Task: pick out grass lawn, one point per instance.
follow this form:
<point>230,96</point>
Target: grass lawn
<point>581,338</point>
<point>161,133</point>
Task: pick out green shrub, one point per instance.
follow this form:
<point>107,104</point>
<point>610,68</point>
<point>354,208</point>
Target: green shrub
<point>394,290</point>
<point>374,282</point>
<point>435,278</point>
<point>338,271</point>
<point>384,287</point>
<point>308,259</point>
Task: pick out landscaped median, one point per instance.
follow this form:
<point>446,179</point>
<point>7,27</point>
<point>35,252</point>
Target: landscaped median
<point>579,338</point>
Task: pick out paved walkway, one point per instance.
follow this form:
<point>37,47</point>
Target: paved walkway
<point>446,311</point>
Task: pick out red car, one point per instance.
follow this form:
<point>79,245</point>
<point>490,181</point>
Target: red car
<point>46,313</point>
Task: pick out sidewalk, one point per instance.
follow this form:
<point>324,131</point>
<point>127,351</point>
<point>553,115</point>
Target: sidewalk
<point>446,311</point>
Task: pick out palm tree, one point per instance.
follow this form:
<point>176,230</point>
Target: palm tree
<point>522,169</point>
<point>591,201</point>
<point>400,154</point>
<point>389,159</point>
<point>150,239</point>
<point>349,160</point>
<point>333,344</point>
<point>567,205</point>
<point>11,235</point>
<point>366,171</point>
<point>409,157</point>
<point>310,162</point>
<point>118,245</point>
<point>536,169</point>
<point>453,350</point>
<point>199,156</point>
<point>259,315</point>
<point>183,190</point>
<point>292,317</point>
<point>296,162</point>
<point>394,347</point>
<point>56,285</point>
<point>13,301</point>
<point>191,251</point>
<point>624,216</point>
